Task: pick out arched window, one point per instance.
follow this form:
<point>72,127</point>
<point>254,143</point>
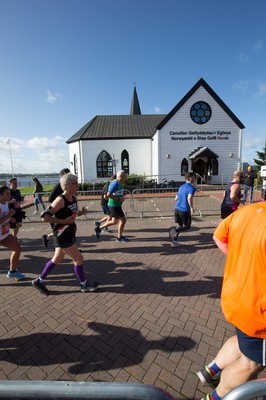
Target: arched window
<point>125,161</point>
<point>75,164</point>
<point>215,166</point>
<point>184,166</point>
<point>104,165</point>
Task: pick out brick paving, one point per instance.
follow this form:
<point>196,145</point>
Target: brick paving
<point>156,318</point>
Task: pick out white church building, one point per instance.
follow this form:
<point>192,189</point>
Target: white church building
<point>200,134</point>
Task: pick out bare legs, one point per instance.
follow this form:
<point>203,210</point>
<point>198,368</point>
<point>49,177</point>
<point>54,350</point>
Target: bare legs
<point>237,368</point>
<point>114,221</point>
<point>11,243</point>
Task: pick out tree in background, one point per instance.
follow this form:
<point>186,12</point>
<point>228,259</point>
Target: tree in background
<point>260,162</point>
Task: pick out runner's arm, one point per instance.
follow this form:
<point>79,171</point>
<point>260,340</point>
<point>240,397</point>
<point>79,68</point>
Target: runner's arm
<point>221,245</point>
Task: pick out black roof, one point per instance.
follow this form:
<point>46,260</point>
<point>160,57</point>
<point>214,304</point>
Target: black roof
<point>204,84</point>
<point>135,125</point>
<point>104,127</point>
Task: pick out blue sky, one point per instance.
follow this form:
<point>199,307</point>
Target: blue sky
<point>63,62</point>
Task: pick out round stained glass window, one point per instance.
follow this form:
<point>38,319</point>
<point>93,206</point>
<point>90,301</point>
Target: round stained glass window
<point>200,112</point>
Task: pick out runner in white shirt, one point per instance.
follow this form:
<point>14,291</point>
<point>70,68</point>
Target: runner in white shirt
<point>6,239</point>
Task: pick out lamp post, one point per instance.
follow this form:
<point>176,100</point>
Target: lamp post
<point>12,169</point>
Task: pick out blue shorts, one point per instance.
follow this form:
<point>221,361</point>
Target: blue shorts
<point>253,348</point>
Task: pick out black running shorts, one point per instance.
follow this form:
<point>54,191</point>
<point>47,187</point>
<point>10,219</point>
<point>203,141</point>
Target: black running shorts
<point>116,212</point>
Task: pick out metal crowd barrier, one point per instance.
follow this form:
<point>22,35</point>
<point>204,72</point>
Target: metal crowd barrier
<point>249,390</point>
<point>162,200</point>
<point>90,199</point>
<point>153,201</point>
<point>80,390</point>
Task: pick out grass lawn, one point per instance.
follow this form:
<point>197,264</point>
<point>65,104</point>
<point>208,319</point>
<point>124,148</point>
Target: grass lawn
<point>29,189</point>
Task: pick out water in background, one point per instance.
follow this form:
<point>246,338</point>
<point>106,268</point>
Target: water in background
<point>27,180</point>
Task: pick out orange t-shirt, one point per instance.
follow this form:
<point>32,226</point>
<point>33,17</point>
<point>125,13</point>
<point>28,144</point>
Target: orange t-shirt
<point>244,283</point>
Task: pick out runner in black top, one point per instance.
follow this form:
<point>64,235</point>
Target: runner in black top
<point>56,191</point>
<point>62,214</point>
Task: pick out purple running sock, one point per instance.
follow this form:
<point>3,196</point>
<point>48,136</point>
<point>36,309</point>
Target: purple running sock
<point>47,269</point>
<point>79,273</point>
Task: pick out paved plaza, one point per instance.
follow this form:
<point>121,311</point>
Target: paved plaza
<point>156,318</point>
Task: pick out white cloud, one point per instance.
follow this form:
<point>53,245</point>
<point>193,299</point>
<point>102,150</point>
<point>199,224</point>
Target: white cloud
<point>259,88</point>
<point>37,155</point>
<point>242,85</point>
<point>157,110</point>
<point>262,90</point>
<point>52,98</point>
<point>258,45</point>
<point>44,142</point>
<point>243,58</point>
<point>253,141</point>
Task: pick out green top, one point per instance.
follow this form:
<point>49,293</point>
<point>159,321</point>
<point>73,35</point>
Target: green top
<point>117,189</point>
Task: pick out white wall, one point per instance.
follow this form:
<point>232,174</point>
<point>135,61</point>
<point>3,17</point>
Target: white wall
<point>178,149</point>
<point>73,148</point>
<point>139,151</point>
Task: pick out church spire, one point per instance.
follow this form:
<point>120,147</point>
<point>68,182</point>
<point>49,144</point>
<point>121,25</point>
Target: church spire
<point>135,108</point>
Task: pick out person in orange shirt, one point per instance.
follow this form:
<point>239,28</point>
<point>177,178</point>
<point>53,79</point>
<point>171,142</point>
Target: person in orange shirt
<point>242,237</point>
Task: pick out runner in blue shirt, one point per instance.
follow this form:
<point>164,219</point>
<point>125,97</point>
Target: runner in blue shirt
<point>184,207</point>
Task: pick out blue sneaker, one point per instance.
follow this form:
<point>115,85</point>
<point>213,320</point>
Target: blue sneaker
<point>16,274</point>
<point>122,239</point>
<point>97,223</point>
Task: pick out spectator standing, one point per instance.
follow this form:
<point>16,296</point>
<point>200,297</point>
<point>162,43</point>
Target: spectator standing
<point>232,195</point>
<point>38,190</point>
<point>6,239</point>
<point>184,207</point>
<point>249,178</point>
<point>116,198</point>
<point>242,237</point>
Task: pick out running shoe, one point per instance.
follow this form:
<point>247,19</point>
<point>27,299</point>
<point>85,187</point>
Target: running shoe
<point>207,397</point>
<point>172,234</point>
<point>40,286</point>
<point>45,240</point>
<point>106,230</point>
<point>122,239</point>
<point>97,223</point>
<point>207,379</point>
<point>97,232</point>
<point>174,244</point>
<point>89,287</point>
<point>16,274</point>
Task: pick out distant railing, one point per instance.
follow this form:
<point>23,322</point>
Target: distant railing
<point>80,390</point>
